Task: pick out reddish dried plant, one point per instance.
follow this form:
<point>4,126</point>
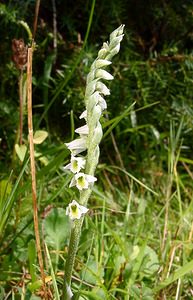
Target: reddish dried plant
<point>19,53</point>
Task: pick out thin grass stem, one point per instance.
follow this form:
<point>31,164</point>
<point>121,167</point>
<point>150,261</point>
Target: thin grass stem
<point>33,170</point>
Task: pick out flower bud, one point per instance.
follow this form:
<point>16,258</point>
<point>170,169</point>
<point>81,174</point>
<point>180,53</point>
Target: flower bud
<point>100,63</point>
<point>102,88</point>
<point>90,76</point>
<point>113,52</point>
<point>100,73</point>
<point>83,130</point>
<point>98,133</point>
<point>116,32</point>
<point>92,101</point>
<point>96,114</point>
<point>90,88</point>
<point>116,41</point>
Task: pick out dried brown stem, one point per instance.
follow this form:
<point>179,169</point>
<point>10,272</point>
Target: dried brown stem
<point>33,171</point>
<point>20,107</point>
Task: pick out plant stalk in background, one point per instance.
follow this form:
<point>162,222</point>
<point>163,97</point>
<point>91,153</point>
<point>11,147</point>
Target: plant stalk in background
<point>33,170</point>
<point>90,137</point>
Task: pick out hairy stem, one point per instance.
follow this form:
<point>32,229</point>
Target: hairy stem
<point>73,247</point>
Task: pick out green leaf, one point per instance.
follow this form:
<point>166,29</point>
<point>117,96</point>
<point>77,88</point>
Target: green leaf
<point>35,285</point>
<point>56,228</point>
<point>151,261</point>
<point>57,296</point>
<point>40,136</point>
<point>187,268</point>
<point>32,259</point>
<point>92,273</point>
<point>21,151</point>
<point>5,190</point>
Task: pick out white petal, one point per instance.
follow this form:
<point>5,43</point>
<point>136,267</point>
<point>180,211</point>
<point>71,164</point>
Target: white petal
<point>99,63</point>
<point>90,87</point>
<point>102,88</point>
<point>83,115</point>
<point>72,183</point>
<point>90,76</point>
<point>77,146</point>
<point>67,167</point>
<point>77,151</point>
<point>90,178</point>
<point>84,209</point>
<point>103,103</point>
<point>92,100</point>
<point>82,130</point>
<point>77,163</point>
<point>95,116</point>
<point>69,292</point>
<point>98,134</point>
<point>100,73</point>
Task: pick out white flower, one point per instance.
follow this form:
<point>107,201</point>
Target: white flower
<point>82,181</point>
<point>83,130</point>
<point>76,164</point>
<point>77,146</point>
<point>75,210</point>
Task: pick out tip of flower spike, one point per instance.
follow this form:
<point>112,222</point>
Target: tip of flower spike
<point>117,32</point>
